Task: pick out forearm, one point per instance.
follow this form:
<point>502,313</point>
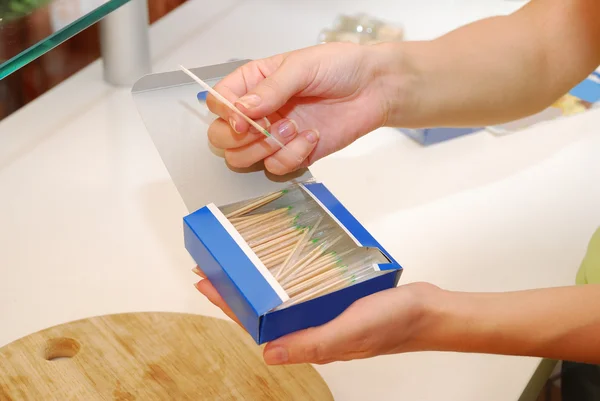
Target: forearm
<point>494,70</point>
<point>557,323</point>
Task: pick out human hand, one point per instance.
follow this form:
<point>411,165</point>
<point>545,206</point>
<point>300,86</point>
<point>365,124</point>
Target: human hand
<point>386,322</point>
<point>210,292</point>
<point>315,100</point>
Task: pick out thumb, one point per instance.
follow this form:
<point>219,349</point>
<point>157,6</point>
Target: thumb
<point>333,341</point>
<point>274,91</point>
<point>315,345</point>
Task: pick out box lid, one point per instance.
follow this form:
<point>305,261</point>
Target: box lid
<point>178,123</point>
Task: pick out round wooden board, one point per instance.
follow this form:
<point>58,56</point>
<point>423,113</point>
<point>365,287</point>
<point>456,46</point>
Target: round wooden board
<point>149,356</point>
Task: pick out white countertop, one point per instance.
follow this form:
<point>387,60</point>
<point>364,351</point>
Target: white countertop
<point>90,222</point>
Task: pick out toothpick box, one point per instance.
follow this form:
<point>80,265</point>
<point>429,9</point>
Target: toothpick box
<point>177,123</point>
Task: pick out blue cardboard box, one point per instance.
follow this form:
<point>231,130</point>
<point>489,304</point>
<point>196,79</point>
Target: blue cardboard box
<point>250,289</point>
<point>177,124</point>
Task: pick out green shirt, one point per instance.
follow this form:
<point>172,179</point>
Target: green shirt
<point>589,272</point>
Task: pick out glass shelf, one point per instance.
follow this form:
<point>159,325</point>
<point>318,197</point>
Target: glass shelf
<point>30,28</point>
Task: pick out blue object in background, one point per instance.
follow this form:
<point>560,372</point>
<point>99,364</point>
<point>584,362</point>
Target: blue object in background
<point>430,136</point>
<point>202,95</point>
<point>589,89</point>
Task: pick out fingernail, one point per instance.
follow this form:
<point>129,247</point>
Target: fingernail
<point>312,136</point>
<point>276,356</point>
<point>232,123</point>
<point>263,122</point>
<point>196,270</point>
<point>287,128</point>
<point>249,101</point>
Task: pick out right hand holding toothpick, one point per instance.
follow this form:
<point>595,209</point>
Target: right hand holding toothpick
<point>315,100</point>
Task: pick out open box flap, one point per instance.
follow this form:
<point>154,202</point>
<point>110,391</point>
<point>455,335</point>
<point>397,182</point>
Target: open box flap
<point>178,123</point>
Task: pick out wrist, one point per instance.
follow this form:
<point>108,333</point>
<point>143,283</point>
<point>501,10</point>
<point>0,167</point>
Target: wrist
<point>401,83</point>
<point>449,321</point>
<point>477,322</point>
<point>509,323</point>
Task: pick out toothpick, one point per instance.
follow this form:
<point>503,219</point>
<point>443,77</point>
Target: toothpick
<point>316,276</point>
<point>278,235</point>
<point>318,263</point>
<point>293,256</point>
<point>275,241</point>
<point>277,255</point>
<point>256,204</point>
<point>257,232</point>
<point>314,254</point>
<point>311,272</point>
<point>251,220</point>
<point>287,260</point>
<point>276,248</point>
<point>235,109</point>
<point>332,287</point>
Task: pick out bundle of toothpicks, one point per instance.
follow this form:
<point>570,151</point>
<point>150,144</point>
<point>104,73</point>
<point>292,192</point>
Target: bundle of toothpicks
<point>307,252</point>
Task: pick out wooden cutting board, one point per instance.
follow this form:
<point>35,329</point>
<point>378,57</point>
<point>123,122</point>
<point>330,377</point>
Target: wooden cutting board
<point>149,356</point>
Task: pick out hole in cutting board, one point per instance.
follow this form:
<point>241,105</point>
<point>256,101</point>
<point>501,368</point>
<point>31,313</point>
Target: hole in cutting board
<point>61,348</point>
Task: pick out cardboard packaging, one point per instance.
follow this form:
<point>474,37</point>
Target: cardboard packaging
<point>177,122</point>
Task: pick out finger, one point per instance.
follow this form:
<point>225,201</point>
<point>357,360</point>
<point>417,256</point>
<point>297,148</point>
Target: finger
<point>222,136</point>
<point>231,88</point>
<point>238,83</point>
<point>270,94</point>
<point>196,270</point>
<point>351,335</point>
<point>241,126</point>
<point>237,123</point>
<point>284,130</point>
<point>316,345</point>
<point>209,291</point>
<point>295,156</point>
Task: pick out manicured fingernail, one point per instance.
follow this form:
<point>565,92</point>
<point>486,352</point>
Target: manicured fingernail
<point>263,122</point>
<point>249,101</point>
<point>276,356</point>
<point>232,123</point>
<point>195,270</point>
<point>312,136</point>
<point>287,128</point>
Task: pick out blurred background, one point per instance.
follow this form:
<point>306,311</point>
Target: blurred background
<point>24,23</point>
